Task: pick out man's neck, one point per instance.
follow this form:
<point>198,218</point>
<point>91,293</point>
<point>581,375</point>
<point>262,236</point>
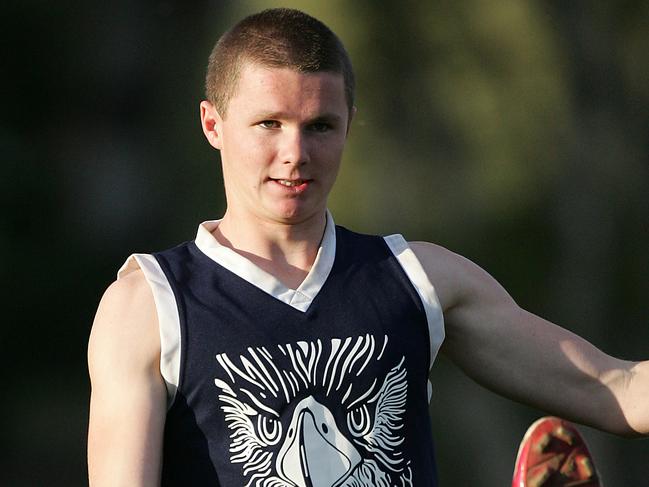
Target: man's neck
<point>285,250</point>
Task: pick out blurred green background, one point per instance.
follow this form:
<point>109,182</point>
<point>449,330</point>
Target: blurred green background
<point>513,132</point>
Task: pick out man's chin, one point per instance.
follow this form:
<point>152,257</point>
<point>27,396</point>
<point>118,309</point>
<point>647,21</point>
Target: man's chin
<point>297,214</point>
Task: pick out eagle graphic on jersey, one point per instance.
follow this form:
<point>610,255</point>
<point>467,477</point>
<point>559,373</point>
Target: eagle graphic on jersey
<point>315,414</point>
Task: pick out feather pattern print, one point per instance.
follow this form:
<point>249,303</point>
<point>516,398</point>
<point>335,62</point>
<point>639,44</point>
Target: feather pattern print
<point>316,414</point>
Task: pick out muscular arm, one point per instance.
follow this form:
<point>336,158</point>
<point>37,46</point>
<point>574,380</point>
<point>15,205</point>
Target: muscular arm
<point>128,399</point>
<point>526,358</point>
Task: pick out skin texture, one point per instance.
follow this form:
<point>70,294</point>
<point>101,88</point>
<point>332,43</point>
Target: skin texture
<point>289,126</point>
<point>128,400</point>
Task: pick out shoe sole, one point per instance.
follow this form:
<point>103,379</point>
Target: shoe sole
<point>553,454</point>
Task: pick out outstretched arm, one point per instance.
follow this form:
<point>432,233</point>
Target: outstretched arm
<point>519,355</point>
<point>128,400</point>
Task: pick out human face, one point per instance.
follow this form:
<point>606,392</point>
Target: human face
<point>281,142</point>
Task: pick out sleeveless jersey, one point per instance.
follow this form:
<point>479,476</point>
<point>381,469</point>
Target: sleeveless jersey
<point>322,386</point>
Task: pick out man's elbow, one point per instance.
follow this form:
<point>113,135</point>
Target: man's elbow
<point>629,386</point>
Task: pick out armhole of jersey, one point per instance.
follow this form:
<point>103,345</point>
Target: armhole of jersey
<point>426,291</point>
<point>168,318</point>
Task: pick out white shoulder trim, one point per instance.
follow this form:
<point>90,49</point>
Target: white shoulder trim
<point>168,318</point>
<point>425,289</point>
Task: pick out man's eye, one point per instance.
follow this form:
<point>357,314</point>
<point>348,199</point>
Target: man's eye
<point>269,124</point>
<point>320,127</point>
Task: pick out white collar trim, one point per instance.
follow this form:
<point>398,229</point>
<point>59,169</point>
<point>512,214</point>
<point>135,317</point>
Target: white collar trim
<point>300,298</point>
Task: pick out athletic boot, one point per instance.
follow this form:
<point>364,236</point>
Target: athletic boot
<point>553,454</point>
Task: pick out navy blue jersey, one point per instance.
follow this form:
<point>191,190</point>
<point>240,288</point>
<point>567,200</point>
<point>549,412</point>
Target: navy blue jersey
<point>326,385</point>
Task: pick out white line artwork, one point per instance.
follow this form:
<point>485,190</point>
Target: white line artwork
<point>310,414</point>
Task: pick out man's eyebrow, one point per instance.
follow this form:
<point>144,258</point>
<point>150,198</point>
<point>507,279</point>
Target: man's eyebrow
<point>269,115</point>
<point>275,115</point>
<point>327,117</point>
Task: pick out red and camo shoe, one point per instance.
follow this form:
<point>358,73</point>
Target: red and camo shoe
<point>553,454</point>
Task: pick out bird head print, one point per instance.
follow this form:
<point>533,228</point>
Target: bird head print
<point>328,413</point>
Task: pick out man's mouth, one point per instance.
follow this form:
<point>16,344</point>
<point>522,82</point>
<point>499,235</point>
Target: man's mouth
<point>292,183</point>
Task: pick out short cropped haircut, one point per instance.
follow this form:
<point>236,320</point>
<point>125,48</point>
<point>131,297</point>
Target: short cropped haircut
<point>275,38</point>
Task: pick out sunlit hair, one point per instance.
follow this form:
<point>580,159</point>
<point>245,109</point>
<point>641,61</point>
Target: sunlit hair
<point>276,38</point>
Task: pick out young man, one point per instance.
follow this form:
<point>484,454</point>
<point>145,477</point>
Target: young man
<point>280,350</point>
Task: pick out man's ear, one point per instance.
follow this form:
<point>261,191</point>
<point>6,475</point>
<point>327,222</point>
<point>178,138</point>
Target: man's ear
<point>352,113</point>
<point>211,122</point>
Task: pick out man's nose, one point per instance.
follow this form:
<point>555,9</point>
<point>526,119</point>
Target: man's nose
<point>294,147</point>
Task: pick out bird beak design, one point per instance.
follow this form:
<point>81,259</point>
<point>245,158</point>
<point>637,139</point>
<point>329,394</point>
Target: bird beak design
<point>315,453</point>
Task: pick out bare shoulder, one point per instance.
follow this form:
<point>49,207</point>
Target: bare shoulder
<point>128,396</point>
<point>125,330</point>
<point>457,279</point>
